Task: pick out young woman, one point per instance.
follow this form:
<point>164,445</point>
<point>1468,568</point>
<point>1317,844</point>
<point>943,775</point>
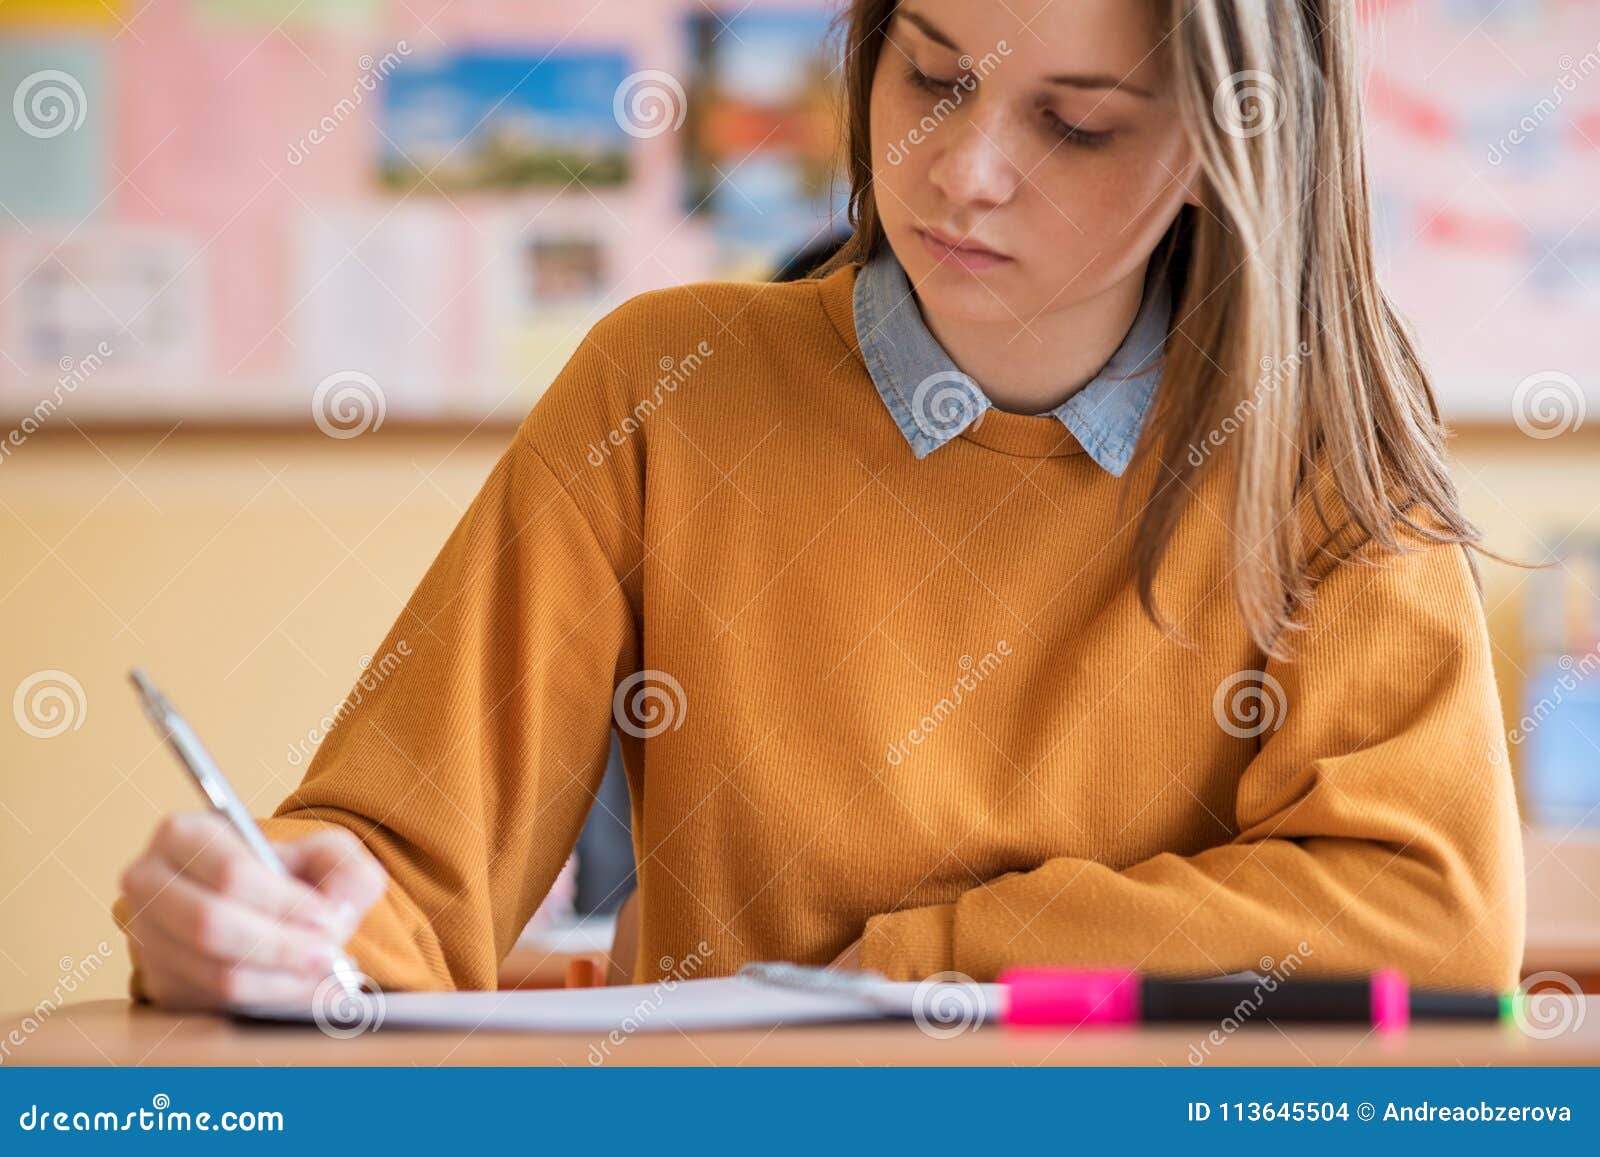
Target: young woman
<point>1069,572</point>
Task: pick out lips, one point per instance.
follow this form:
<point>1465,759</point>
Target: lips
<point>962,245</point>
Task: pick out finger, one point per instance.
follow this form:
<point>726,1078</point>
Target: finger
<point>175,825</point>
<point>339,866</point>
<point>215,927</point>
<point>176,977</point>
<point>204,847</point>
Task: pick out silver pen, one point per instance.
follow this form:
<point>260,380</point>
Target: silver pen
<point>175,729</point>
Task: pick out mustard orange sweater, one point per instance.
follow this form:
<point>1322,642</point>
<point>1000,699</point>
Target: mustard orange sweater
<point>863,695</point>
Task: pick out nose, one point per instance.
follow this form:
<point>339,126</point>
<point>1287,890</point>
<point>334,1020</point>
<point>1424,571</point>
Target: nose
<point>972,167</point>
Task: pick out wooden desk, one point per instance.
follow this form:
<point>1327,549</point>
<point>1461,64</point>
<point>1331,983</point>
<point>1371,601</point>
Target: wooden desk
<point>113,1032</point>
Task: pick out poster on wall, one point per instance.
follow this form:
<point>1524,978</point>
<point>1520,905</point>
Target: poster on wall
<point>269,15</point>
<point>1483,121</point>
<point>61,13</point>
<point>55,131</point>
<point>129,300</point>
<point>372,304</point>
<point>500,121</point>
<point>551,275</point>
<point>761,134</point>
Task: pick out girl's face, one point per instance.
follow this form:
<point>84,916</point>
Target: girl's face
<point>1040,131</point>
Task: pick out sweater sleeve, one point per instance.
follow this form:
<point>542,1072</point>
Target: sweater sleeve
<point>1376,826</point>
<point>469,767</point>
<point>468,753</point>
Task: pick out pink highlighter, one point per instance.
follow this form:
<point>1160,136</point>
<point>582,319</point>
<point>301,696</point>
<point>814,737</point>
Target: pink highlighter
<point>1072,997</point>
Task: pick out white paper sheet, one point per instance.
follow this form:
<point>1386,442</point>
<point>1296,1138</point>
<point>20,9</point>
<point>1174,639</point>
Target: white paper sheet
<point>729,1002</point>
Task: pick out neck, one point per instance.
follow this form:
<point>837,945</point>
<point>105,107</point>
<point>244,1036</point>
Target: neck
<point>1031,366</point>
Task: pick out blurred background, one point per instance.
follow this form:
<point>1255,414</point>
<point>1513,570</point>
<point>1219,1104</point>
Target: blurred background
<point>278,276</point>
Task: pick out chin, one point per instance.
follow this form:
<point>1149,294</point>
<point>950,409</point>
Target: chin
<point>955,293</point>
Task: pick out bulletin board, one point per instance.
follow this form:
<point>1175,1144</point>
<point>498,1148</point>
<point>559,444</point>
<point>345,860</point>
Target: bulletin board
<point>357,211</point>
<point>246,209</point>
<point>1484,144</point>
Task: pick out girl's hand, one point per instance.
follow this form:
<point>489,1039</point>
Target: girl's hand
<point>211,925</point>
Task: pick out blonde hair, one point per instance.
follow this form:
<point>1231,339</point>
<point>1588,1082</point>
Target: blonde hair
<point>1274,274</point>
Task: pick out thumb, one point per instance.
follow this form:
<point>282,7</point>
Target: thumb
<point>338,865</point>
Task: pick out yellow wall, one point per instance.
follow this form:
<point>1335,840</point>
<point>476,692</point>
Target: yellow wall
<point>250,572</point>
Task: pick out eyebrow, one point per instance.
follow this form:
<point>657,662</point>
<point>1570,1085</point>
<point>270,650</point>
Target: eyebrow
<point>1066,80</point>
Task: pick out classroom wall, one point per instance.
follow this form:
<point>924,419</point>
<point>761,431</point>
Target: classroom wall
<point>251,571</point>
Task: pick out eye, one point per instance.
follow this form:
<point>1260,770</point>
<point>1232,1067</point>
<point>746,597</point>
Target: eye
<point>934,84</point>
<point>1075,134</point>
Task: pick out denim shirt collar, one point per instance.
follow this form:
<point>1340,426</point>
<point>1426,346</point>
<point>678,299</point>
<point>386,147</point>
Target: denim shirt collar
<point>933,402</point>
